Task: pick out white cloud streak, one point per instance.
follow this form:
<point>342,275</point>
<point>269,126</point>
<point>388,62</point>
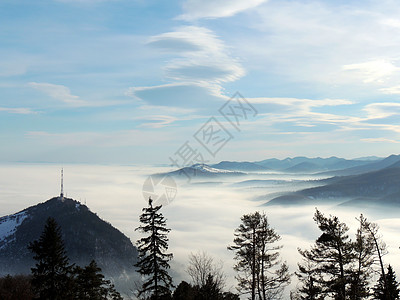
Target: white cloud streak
<point>198,9</point>
<point>63,94</point>
<point>157,121</point>
<point>382,110</point>
<point>189,95</point>
<point>380,140</point>
<point>203,56</point>
<point>203,65</point>
<point>373,71</point>
<point>18,110</point>
<point>345,47</point>
<point>59,92</point>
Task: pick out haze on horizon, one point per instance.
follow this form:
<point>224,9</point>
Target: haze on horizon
<point>130,81</point>
<point>202,216</point>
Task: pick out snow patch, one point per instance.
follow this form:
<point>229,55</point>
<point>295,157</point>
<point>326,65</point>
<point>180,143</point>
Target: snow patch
<point>8,226</point>
<point>208,169</point>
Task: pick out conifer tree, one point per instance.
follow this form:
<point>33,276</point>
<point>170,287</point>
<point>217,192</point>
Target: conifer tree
<point>52,275</point>
<point>311,288</point>
<point>90,284</point>
<point>364,249</point>
<point>153,261</point>
<point>184,291</point>
<point>261,273</point>
<point>331,257</point>
<point>387,289</point>
<point>380,249</point>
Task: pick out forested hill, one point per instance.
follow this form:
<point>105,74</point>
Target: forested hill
<point>86,237</point>
<point>379,188</point>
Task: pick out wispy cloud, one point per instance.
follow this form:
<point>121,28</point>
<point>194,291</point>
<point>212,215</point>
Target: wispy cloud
<point>203,56</point>
<point>380,140</point>
<point>182,95</point>
<point>301,102</point>
<point>18,110</point>
<point>292,115</point>
<point>198,9</point>
<point>202,65</point>
<point>63,94</point>
<point>157,121</point>
<point>59,92</point>
<point>382,110</point>
<point>393,90</point>
<point>329,45</point>
<point>373,71</point>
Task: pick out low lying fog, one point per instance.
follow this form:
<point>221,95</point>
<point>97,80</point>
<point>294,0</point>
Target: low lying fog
<point>202,216</point>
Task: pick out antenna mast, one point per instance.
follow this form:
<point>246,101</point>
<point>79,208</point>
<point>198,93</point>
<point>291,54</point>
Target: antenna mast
<point>62,185</point>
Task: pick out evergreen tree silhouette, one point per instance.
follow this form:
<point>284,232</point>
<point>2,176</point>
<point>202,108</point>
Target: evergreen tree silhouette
<point>184,291</point>
<point>52,274</point>
<point>331,259</point>
<point>391,291</point>
<point>91,285</point>
<point>153,261</point>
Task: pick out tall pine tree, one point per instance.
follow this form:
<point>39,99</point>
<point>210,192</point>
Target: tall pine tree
<point>363,262</point>
<point>52,275</point>
<point>261,273</point>
<point>330,259</point>
<point>153,261</point>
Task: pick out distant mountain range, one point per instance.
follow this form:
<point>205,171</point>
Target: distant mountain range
<point>378,186</point>
<point>331,166</point>
<point>303,164</point>
<point>201,171</point>
<point>369,180</point>
<point>86,237</point>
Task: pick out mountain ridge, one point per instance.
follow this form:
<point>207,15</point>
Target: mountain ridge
<point>380,187</point>
<point>85,235</point>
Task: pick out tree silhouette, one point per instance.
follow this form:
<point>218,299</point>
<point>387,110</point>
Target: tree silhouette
<point>364,249</point>
<point>153,261</point>
<point>202,269</point>
<point>310,288</point>
<point>184,291</point>
<point>330,259</point>
<point>90,284</point>
<point>387,289</point>
<point>380,248</point>
<point>16,287</point>
<point>52,275</point>
<point>261,273</point>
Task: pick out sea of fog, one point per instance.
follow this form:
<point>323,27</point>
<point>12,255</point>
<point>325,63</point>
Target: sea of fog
<point>203,215</point>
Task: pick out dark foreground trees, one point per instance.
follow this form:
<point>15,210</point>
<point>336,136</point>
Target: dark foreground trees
<point>186,291</point>
<point>208,280</point>
<point>153,262</point>
<point>260,271</point>
<point>54,278</point>
<point>388,288</point>
<point>16,287</point>
<point>90,284</point>
<point>204,271</point>
<point>52,275</point>
<point>328,262</point>
<point>338,268</point>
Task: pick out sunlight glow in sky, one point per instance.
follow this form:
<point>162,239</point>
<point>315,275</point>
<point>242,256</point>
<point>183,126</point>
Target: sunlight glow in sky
<point>129,81</point>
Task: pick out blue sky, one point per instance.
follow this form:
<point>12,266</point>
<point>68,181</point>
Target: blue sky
<point>130,81</point>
